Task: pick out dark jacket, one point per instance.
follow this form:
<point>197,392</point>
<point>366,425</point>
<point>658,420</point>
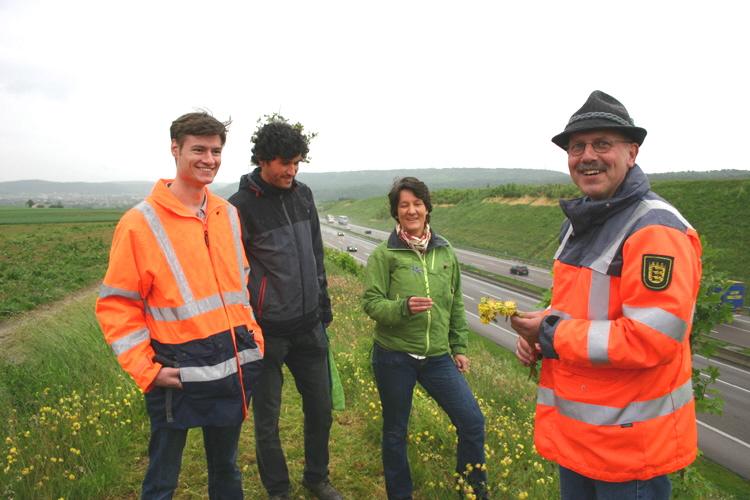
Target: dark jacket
<point>281,234</point>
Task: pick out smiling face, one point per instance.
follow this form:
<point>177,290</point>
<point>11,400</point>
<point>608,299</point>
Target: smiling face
<point>280,172</point>
<point>412,213</point>
<point>599,175</point>
<point>198,159</point>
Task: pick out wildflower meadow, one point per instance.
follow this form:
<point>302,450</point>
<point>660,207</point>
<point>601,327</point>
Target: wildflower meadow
<point>73,426</point>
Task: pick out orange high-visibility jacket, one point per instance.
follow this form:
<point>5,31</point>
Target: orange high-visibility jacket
<point>176,287</point>
<point>615,399</point>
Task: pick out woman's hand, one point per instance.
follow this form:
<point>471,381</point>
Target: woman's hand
<point>419,304</point>
<point>462,362</point>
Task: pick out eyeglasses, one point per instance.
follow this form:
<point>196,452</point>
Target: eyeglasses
<point>578,148</point>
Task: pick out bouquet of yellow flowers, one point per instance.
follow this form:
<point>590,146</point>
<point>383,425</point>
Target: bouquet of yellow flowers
<point>489,309</point>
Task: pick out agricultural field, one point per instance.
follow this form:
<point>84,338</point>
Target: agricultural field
<point>48,253</point>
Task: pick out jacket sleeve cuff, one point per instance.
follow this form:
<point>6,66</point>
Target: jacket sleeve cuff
<point>405,309</point>
<point>326,317</point>
<point>547,336</point>
<point>458,349</point>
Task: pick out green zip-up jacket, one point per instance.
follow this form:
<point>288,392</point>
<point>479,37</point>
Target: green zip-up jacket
<point>394,273</point>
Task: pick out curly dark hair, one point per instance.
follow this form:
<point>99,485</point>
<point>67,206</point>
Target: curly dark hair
<point>200,123</point>
<point>414,185</point>
<point>278,139</point>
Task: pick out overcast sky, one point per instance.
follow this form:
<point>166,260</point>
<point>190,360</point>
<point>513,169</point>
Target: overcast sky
<point>88,89</point>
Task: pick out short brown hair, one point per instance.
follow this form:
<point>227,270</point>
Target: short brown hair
<point>199,123</point>
<point>414,185</point>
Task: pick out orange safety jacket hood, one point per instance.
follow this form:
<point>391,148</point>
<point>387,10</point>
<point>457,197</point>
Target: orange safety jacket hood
<point>615,399</point>
<point>176,287</point>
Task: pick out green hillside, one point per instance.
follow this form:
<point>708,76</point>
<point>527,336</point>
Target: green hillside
<point>524,220</point>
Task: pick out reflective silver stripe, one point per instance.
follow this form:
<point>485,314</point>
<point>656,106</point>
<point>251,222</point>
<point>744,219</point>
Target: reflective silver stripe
<point>250,355</point>
<point>220,371</point>
<point>560,314</point>
<point>564,241</point>
<point>238,248</point>
<point>235,298</point>
<point>660,320</point>
<point>197,307</point>
<point>185,311</point>
<point>637,411</point>
<point>598,334</point>
<point>110,291</point>
<point>663,205</point>
<point>607,256</point>
<point>130,340</point>
<point>160,234</point>
<point>599,296</point>
<point>208,373</point>
<point>598,340</point>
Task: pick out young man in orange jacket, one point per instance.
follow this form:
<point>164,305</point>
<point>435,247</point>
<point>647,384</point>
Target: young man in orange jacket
<point>175,309</point>
<point>615,407</point>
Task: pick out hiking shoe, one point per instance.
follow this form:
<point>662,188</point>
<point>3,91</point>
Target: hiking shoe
<point>324,490</point>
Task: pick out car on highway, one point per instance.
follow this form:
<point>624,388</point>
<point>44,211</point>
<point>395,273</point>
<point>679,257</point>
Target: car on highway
<point>519,270</point>
<point>351,248</point>
<point>340,233</point>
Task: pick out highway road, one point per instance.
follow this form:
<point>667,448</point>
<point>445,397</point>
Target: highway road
<point>725,439</point>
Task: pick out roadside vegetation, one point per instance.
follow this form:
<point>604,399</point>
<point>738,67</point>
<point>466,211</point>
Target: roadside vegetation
<point>524,221</point>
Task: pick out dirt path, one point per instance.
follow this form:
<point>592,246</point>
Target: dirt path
<point>10,326</point>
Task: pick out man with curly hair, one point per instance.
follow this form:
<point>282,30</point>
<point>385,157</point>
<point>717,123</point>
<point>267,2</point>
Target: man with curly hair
<point>288,291</point>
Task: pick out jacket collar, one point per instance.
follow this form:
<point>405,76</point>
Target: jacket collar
<point>164,197</point>
<point>255,182</point>
<point>584,213</point>
<point>396,243</point>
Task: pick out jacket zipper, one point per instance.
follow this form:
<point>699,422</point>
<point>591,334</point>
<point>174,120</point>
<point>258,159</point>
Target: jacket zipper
<point>299,263</point>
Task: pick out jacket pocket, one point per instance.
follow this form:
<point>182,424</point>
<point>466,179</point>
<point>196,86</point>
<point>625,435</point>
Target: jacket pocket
<point>208,368</point>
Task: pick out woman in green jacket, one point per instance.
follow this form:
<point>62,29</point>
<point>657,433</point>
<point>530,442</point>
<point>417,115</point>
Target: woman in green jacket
<point>413,292</point>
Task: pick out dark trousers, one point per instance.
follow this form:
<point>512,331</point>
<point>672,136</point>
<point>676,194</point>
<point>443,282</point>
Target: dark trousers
<point>165,461</point>
<point>396,374</point>
<point>305,353</point>
<point>574,486</point>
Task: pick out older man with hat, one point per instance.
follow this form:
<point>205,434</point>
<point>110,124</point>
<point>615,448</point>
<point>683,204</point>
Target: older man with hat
<point>615,405</point>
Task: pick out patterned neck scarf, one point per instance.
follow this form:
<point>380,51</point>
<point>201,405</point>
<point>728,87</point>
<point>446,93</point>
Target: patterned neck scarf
<point>418,244</point>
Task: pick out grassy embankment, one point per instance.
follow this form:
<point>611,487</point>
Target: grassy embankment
<point>524,220</point>
<point>74,426</point>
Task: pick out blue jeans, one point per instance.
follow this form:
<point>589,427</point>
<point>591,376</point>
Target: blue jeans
<point>305,353</point>
<point>165,461</point>
<point>575,486</point>
<point>396,374</point>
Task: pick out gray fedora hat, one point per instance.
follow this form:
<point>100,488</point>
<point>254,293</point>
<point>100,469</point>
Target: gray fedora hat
<point>601,111</point>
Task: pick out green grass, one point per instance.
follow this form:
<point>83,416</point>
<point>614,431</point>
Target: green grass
<point>74,426</point>
<point>718,209</point>
<point>41,263</point>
